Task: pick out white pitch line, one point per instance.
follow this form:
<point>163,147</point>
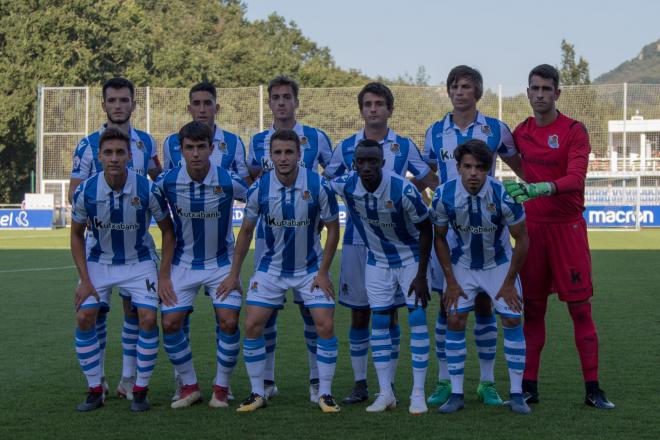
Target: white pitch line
<point>37,269</point>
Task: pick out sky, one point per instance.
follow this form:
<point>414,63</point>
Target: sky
<point>503,39</point>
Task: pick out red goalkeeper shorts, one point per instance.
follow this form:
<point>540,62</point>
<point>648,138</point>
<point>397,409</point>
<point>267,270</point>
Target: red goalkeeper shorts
<point>558,260</point>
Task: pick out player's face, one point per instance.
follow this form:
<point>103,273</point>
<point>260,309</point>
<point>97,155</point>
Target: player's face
<point>118,105</point>
<point>374,110</point>
<point>462,94</point>
<point>285,156</point>
<point>473,173</point>
<point>542,95</point>
<point>196,153</point>
<point>283,103</point>
<point>203,107</point>
<point>114,156</point>
<point>368,163</point>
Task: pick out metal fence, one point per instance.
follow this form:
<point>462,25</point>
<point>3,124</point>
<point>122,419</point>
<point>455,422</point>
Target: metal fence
<point>623,119</point>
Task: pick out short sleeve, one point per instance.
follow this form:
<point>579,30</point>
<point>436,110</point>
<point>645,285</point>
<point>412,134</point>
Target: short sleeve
<point>328,202</point>
<point>157,203</point>
<point>251,156</point>
<point>413,204</point>
<point>82,161</point>
<point>325,149</point>
<point>239,186</point>
<point>512,212</point>
<point>507,147</point>
<point>78,210</point>
<point>239,165</point>
<point>440,217</point>
<point>428,152</point>
<point>336,166</point>
<point>416,165</point>
<point>153,154</point>
<point>252,211</point>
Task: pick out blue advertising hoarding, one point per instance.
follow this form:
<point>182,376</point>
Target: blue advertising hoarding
<point>26,218</point>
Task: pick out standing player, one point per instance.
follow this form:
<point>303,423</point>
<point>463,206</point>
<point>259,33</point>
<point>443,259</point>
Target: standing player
<point>465,122</point>
<point>376,104</point>
<point>116,206</point>
<point>478,210</point>
<point>228,153</point>
<point>392,220</point>
<point>118,104</point>
<point>316,150</point>
<point>201,197</point>
<point>291,202</point>
<point>555,155</point>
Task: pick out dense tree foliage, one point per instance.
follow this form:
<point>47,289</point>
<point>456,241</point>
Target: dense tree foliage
<point>166,44</point>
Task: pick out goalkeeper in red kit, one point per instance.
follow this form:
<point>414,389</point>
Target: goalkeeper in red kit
<point>555,153</point>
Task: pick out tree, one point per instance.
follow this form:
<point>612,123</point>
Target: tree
<point>572,73</point>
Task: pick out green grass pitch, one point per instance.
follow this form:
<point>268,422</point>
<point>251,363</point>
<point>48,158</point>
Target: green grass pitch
<point>40,381</point>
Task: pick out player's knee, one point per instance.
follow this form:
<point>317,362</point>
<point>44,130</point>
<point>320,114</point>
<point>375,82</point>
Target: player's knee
<point>483,305</point>
<point>457,321</point>
<point>360,318</point>
<point>304,311</point>
<point>86,318</point>
<point>171,324</point>
<point>325,327</point>
<point>510,322</point>
<point>580,311</point>
<point>129,310</point>
<point>417,317</point>
<point>147,320</point>
<point>228,323</point>
<point>381,320</point>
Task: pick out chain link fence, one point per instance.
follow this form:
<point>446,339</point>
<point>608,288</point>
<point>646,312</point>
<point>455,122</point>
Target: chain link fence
<point>623,120</point>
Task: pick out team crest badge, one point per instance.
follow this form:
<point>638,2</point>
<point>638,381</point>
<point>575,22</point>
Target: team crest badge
<point>491,207</point>
<point>254,285</point>
<point>76,162</point>
<point>304,142</point>
<point>135,202</point>
<point>222,146</point>
<point>553,141</point>
<point>389,204</point>
<point>395,148</point>
<point>217,190</point>
<point>485,129</point>
<point>307,196</point>
<point>140,145</point>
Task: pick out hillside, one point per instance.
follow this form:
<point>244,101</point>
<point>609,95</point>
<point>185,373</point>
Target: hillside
<point>644,68</point>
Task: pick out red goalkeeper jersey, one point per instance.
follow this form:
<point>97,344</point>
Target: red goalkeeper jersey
<point>557,153</point>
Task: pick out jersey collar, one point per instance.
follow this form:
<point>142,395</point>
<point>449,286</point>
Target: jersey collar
<point>210,179</point>
<point>132,133</point>
<point>389,138</point>
<point>482,192</point>
<point>384,183</point>
<point>298,184</point>
<point>480,119</point>
<point>128,186</point>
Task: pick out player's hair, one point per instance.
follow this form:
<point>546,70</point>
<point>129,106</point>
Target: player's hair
<point>204,86</point>
<point>118,83</point>
<point>545,71</point>
<point>113,133</point>
<point>378,89</point>
<point>196,131</point>
<point>367,143</point>
<point>477,148</point>
<point>470,73</point>
<point>283,80</point>
<point>286,135</point>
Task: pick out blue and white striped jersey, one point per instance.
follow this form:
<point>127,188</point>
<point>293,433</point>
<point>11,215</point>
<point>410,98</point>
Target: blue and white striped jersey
<point>400,153</point>
<point>228,152</point>
<point>386,218</point>
<point>202,214</point>
<point>86,161</point>
<point>442,138</point>
<point>479,222</point>
<point>118,222</point>
<point>290,217</point>
<point>315,148</point>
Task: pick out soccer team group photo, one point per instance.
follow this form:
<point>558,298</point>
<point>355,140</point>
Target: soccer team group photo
<point>428,223</point>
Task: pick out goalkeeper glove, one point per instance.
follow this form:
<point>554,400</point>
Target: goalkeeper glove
<point>521,192</point>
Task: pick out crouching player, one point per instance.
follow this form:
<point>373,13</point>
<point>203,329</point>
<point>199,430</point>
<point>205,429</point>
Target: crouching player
<point>392,220</point>
<point>290,201</point>
<point>117,205</point>
<point>201,197</point>
<point>478,210</point>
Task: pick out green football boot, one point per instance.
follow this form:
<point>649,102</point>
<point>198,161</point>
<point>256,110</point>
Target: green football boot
<point>441,393</point>
<point>487,393</point>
